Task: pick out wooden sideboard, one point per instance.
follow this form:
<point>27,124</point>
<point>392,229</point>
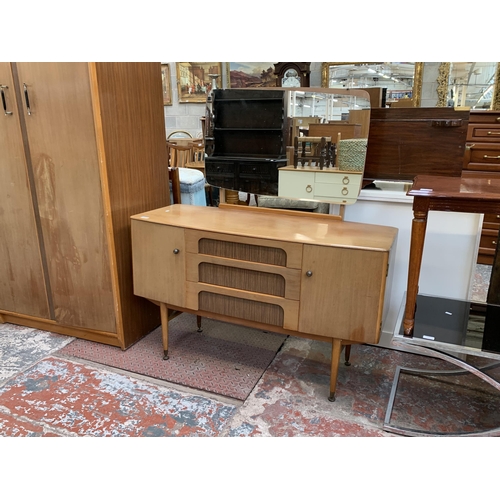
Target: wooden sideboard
<point>482,154</point>
<point>287,272</point>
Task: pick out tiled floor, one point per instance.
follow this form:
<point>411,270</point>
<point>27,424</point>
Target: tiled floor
<point>44,392</point>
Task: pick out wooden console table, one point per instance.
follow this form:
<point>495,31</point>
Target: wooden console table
<point>474,193</point>
<point>294,273</point>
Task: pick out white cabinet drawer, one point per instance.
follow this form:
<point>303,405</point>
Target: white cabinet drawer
<point>328,185</point>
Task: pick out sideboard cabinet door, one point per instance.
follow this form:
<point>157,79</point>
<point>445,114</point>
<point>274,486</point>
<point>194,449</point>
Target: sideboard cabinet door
<point>342,292</point>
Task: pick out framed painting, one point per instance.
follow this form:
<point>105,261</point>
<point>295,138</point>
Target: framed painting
<point>251,75</point>
<point>195,79</point>
<point>165,81</point>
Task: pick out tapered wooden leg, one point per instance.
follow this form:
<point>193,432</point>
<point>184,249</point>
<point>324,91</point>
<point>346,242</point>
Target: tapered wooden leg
<point>164,328</point>
<point>334,370</point>
<point>198,322</point>
<point>347,355</point>
<point>418,228</point>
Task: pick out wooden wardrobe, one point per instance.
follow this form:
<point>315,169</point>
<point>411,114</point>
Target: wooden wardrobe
<point>82,148</point>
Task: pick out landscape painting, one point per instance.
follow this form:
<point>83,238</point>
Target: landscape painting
<point>251,74</point>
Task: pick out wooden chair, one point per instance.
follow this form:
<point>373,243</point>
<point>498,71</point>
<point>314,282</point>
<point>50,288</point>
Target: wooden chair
<point>179,154</point>
<point>313,151</point>
<point>198,149</point>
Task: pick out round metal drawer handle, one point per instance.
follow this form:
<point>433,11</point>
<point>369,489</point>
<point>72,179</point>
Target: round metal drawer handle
<point>493,242</point>
<point>309,188</point>
<point>345,180</point>
<point>309,274</point>
<point>176,251</point>
<point>345,191</point>
<point>498,216</point>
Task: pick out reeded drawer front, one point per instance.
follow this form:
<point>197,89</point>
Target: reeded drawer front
<point>265,251</point>
<point>242,279</point>
<point>261,312</point>
<point>242,251</point>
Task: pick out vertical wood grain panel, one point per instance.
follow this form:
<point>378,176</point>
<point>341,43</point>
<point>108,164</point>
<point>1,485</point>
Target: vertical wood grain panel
<point>22,287</point>
<point>133,157</point>
<point>62,142</point>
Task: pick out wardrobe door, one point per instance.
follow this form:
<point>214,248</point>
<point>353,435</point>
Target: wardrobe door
<point>22,286</point>
<point>56,99</point>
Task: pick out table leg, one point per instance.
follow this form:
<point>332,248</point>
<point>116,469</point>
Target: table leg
<point>334,369</point>
<point>494,288</point>
<point>418,228</point>
<point>164,328</point>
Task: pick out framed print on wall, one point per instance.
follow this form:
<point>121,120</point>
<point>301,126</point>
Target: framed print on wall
<point>194,80</point>
<point>167,89</point>
<point>251,75</point>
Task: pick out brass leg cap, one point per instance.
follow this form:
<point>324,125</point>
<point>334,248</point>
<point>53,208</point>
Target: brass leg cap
<point>332,397</point>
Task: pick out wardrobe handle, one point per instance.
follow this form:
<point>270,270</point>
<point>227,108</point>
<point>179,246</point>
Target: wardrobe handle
<point>26,98</point>
<point>4,102</point>
<point>491,157</point>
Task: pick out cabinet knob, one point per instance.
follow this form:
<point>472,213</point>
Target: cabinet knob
<point>345,191</point>
<point>494,242</point>
<point>345,180</point>
<point>176,251</point>
<point>309,274</point>
<point>309,188</point>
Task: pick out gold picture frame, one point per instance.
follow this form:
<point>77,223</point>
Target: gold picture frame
<point>165,81</point>
<point>194,80</point>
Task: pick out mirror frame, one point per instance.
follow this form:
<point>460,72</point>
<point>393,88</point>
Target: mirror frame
<point>443,86</point>
<point>417,78</point>
<point>209,129</point>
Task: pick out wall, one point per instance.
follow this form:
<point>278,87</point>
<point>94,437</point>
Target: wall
<point>182,116</point>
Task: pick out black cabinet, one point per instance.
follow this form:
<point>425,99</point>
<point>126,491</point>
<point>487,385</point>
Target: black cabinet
<point>246,139</point>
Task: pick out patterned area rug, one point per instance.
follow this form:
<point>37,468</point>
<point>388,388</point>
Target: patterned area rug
<point>224,359</point>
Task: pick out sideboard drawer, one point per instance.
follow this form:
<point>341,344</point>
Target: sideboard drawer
<point>485,117</point>
<point>241,248</point>
<point>488,240</point>
<point>483,156</point>
<point>483,133</point>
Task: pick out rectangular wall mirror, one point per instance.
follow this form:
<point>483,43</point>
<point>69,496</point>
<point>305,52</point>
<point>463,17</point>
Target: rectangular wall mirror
<point>300,143</point>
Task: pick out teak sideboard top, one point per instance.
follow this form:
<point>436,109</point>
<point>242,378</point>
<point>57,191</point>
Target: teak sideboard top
<point>265,225</point>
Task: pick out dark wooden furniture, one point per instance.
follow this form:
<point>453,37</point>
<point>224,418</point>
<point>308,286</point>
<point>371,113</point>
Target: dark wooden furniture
<point>82,149</point>
<point>406,142</point>
<point>479,193</point>
<point>482,154</point>
<point>246,140</point>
